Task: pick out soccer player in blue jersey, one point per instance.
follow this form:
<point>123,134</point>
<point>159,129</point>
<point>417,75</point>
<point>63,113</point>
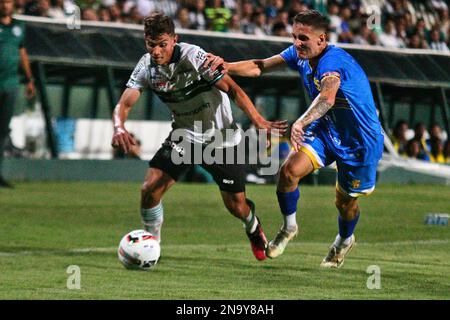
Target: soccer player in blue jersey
<point>341,125</point>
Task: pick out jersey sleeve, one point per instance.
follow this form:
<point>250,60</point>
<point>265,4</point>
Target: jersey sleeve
<point>290,56</point>
<point>330,66</point>
<point>197,57</point>
<point>138,79</point>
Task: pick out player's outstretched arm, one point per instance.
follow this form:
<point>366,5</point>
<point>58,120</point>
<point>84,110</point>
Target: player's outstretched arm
<point>122,138</point>
<point>235,92</point>
<point>25,62</point>
<point>321,104</point>
<point>246,68</point>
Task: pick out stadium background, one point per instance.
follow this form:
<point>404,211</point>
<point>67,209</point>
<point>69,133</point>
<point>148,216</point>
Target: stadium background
<point>81,72</point>
<point>64,135</point>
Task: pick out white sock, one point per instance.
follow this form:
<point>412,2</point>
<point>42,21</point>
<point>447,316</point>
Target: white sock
<point>289,221</point>
<point>340,242</point>
<point>152,219</point>
<point>250,222</point>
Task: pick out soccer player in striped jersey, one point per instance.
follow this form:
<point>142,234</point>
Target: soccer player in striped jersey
<point>198,100</point>
<point>341,125</point>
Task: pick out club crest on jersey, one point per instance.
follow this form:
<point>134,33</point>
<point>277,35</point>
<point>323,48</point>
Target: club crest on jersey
<point>17,31</point>
<point>157,80</point>
<point>160,84</point>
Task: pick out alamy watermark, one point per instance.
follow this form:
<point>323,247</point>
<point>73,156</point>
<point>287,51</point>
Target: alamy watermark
<point>374,20</point>
<point>228,146</point>
<point>374,280</point>
<point>74,278</point>
<point>73,19</point>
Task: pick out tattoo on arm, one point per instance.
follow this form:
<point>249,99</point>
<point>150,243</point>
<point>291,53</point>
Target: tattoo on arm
<point>320,106</point>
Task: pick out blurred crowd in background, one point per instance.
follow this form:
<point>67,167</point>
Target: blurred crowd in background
<point>419,143</point>
<point>391,23</point>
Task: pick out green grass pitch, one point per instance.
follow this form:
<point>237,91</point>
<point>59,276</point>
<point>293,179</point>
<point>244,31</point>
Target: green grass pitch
<point>46,227</point>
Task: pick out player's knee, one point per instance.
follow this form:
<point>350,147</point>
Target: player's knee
<point>348,207</point>
<point>287,174</point>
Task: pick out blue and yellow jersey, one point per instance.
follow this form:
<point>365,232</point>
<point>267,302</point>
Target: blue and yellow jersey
<point>352,126</point>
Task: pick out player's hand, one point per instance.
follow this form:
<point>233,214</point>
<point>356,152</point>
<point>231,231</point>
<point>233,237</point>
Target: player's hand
<point>297,135</point>
<point>277,128</point>
<point>214,62</point>
<point>122,139</point>
<point>30,90</point>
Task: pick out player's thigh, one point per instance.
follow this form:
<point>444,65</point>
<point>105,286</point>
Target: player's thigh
<point>229,177</point>
<point>297,165</point>
<point>316,148</point>
<point>313,155</point>
<point>164,160</point>
<point>356,181</point>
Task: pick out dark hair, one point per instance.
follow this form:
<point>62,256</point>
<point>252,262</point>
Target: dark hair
<point>409,147</point>
<point>398,126</point>
<point>279,26</point>
<point>435,143</point>
<point>312,18</point>
<point>157,24</point>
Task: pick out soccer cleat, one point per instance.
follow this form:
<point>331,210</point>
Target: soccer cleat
<point>276,246</point>
<point>258,242</point>
<point>336,255</point>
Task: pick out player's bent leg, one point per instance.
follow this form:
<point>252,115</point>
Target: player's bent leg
<point>297,166</point>
<point>244,209</point>
<point>352,182</point>
<point>156,183</point>
<point>345,240</point>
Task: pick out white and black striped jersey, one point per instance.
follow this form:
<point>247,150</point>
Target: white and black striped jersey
<point>187,88</point>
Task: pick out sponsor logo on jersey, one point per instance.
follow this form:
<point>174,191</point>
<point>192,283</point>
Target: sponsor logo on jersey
<point>192,112</point>
<point>226,181</point>
<point>160,84</point>
<point>201,55</point>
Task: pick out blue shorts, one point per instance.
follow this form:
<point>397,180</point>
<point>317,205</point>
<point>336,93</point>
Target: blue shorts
<point>354,181</point>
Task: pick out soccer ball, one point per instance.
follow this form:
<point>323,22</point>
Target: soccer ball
<point>139,249</point>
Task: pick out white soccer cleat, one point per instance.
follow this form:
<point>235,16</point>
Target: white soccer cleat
<point>336,255</point>
<point>276,246</point>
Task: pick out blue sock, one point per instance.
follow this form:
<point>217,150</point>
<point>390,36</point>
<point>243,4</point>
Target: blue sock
<point>288,201</point>
<point>346,227</point>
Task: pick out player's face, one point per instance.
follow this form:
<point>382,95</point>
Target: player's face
<point>308,42</point>
<point>6,8</point>
<point>161,48</point>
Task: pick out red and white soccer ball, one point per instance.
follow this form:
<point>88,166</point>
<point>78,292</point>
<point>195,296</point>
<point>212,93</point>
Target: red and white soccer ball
<point>139,249</point>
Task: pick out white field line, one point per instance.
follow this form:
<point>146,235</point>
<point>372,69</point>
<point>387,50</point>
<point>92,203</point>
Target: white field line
<point>204,246</point>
